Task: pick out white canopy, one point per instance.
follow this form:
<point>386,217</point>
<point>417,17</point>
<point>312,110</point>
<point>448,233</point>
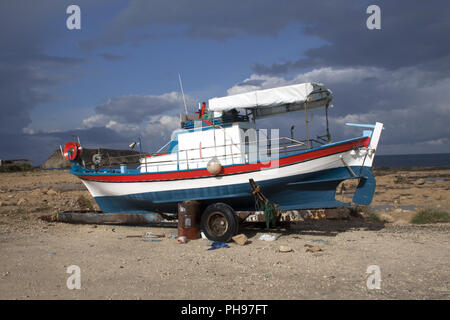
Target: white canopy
<point>277,100</point>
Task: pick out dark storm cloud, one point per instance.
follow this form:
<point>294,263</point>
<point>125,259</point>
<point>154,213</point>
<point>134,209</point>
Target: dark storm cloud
<point>22,79</point>
<point>27,28</point>
<point>412,34</point>
<point>218,20</point>
<point>90,137</point>
<point>412,105</point>
<point>393,73</point>
<point>136,108</point>
<point>28,72</point>
<point>214,20</point>
<point>39,146</point>
<point>24,83</point>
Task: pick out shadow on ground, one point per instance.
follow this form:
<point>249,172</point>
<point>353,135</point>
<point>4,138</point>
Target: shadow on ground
<point>326,228</point>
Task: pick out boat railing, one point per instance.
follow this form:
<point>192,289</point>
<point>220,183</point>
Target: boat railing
<point>284,146</point>
<point>245,155</point>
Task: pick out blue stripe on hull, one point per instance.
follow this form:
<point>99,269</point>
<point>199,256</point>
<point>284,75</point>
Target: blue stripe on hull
<point>305,191</point>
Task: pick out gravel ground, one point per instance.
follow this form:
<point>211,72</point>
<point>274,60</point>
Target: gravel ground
<point>414,263</point>
<point>414,260</point>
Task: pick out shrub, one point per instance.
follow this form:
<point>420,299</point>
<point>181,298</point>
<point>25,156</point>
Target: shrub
<point>84,203</point>
<point>14,167</point>
<point>374,217</point>
<point>44,208</point>
<point>431,215</point>
<point>366,212</point>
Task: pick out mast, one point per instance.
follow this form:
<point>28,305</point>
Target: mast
<point>182,92</point>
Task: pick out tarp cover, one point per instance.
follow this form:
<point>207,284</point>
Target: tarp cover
<point>276,100</point>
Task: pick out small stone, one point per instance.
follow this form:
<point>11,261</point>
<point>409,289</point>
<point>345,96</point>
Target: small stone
<point>51,192</point>
<point>386,218</point>
<point>312,248</point>
<point>240,239</point>
<point>285,249</point>
<point>401,222</point>
<point>419,182</point>
<point>36,192</point>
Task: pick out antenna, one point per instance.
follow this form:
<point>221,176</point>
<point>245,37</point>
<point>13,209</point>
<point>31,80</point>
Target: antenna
<point>182,92</point>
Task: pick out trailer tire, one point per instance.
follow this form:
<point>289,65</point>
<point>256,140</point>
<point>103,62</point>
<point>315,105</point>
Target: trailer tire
<point>219,222</point>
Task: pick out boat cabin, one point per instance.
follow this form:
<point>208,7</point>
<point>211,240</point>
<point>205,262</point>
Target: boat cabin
<point>230,137</point>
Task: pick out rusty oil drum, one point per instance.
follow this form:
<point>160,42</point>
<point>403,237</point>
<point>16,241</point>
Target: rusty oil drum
<point>189,219</point>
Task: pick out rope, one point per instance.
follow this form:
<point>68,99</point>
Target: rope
<point>263,204</point>
<point>270,214</point>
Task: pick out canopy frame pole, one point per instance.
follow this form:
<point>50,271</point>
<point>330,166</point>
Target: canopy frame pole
<point>308,143</point>
<point>326,117</point>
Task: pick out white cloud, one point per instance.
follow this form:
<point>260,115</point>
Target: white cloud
<point>161,126</point>
<point>133,112</point>
<point>97,120</point>
<point>151,117</point>
<point>413,107</point>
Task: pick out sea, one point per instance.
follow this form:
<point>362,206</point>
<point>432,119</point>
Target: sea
<point>412,160</point>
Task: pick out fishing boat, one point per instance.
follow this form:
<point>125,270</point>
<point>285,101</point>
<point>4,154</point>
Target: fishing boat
<point>214,154</point>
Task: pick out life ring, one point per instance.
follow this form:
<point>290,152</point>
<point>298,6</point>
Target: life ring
<point>72,151</point>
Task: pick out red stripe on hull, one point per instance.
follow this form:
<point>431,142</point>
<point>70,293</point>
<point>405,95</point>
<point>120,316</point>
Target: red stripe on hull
<point>201,173</point>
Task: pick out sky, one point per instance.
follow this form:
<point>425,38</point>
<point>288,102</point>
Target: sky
<point>116,78</point>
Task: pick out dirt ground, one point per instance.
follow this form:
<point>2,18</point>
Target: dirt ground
<point>414,261</point>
